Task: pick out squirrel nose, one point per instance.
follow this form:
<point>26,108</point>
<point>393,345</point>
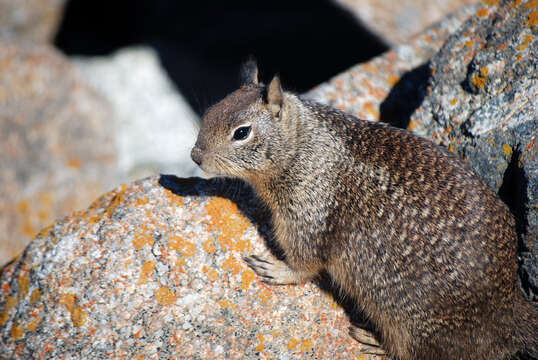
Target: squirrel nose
<point>196,155</point>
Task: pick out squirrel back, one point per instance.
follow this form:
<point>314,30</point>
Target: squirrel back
<point>424,247</point>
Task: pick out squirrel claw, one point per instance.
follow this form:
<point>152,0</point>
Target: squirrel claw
<point>273,272</point>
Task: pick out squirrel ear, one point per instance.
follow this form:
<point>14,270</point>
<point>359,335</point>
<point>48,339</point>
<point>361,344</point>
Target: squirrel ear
<point>274,96</point>
<point>249,72</point>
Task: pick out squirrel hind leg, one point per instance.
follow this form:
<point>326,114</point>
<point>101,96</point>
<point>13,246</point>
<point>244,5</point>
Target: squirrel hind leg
<point>276,272</point>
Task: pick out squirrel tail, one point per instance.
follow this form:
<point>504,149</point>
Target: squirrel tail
<point>526,327</point>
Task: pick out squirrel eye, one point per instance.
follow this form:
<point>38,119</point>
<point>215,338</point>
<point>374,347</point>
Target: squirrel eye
<point>241,133</point>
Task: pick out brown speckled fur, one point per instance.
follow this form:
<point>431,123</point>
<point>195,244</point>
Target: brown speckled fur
<point>424,247</point>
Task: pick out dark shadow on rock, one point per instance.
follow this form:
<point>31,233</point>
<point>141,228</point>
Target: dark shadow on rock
<point>202,44</point>
<point>255,210</point>
<point>405,97</point>
<point>513,193</point>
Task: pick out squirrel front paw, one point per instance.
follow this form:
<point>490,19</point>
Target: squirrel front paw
<point>274,272</point>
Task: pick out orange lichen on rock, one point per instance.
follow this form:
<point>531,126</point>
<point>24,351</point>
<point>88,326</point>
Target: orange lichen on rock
<point>491,2</point>
<point>292,344</point>
<point>10,303</point>
<point>16,331</point>
<point>480,78</point>
<point>261,344</point>
<point>371,110</point>
<point>35,296</point>
<point>78,315</point>
<point>247,278</point>
<point>186,248</point>
<point>209,246</point>
<point>147,271</point>
<point>507,149</point>
<point>24,284</point>
<point>265,295</point>
<point>526,42</point>
<point>469,43</point>
<point>143,238</point>
<point>306,345</point>
<point>231,264</point>
<point>32,325</point>
<point>393,79</point>
<point>482,12</point>
<point>74,163</point>
<point>165,296</point>
<point>531,4</point>
<point>225,216</point>
<point>454,101</point>
<point>173,199</point>
<point>533,19</point>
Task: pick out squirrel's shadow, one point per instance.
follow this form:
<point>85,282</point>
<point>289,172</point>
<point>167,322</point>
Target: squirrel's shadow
<point>257,212</point>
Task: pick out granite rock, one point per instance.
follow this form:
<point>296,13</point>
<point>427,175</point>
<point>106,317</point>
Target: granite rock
<point>148,272</point>
<point>481,102</point>
<point>32,20</point>
<point>57,153</point>
<point>154,127</point>
<point>397,21</point>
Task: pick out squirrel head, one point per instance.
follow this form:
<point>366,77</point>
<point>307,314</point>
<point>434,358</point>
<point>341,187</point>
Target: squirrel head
<point>243,135</point>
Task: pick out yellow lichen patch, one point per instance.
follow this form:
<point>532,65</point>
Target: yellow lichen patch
<point>393,79</point>
<point>412,125</point>
<point>246,279</point>
<point>74,163</point>
<point>147,271</point>
<point>209,246</point>
<point>23,206</point>
<point>363,357</point>
<point>531,4</point>
<point>482,12</point>
<point>231,264</point>
<point>142,238</point>
<point>24,284</point>
<point>32,325</point>
<point>265,295</point>
<point>491,2</point>
<point>173,199</point>
<point>507,149</point>
<point>225,216</point>
<point>35,296</point>
<point>165,296</point>
<point>480,78</point>
<point>454,101</point>
<point>213,274</point>
<point>142,201</point>
<point>79,316</point>
<point>16,331</point>
<point>292,344</point>
<point>241,245</point>
<point>260,345</point>
<point>371,110</point>
<point>28,228</point>
<point>226,304</point>
<point>307,345</point>
<point>533,19</point>
<point>185,247</point>
<point>11,302</point>
<point>469,43</point>
<point>523,46</point>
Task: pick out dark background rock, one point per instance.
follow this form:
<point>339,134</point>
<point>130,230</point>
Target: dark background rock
<point>55,141</point>
<point>481,102</point>
<point>202,44</point>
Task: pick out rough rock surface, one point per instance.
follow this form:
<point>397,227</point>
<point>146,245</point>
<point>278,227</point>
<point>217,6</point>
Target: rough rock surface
<point>386,87</point>
<point>57,155</point>
<point>482,101</point>
<point>397,21</point>
<point>154,127</point>
<point>34,20</point>
<point>147,273</point>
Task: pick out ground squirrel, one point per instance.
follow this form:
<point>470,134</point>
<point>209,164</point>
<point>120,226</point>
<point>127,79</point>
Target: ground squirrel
<point>419,242</point>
